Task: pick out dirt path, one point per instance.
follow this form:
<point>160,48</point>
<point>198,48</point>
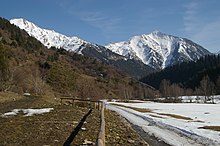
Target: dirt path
<point>119,132</point>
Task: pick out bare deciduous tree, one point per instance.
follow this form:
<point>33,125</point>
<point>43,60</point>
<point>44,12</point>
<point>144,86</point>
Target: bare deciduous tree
<point>164,87</point>
<point>207,87</point>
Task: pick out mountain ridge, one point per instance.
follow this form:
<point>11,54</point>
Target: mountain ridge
<point>51,38</point>
<point>159,50</point>
<point>156,50</point>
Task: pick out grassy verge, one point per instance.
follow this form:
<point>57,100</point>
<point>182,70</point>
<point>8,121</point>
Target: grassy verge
<point>156,116</point>
<point>119,132</point>
<point>129,101</point>
<point>214,128</point>
<point>175,116</point>
<point>9,96</point>
<point>143,110</point>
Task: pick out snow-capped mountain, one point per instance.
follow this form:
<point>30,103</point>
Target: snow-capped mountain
<point>49,37</point>
<point>136,56</point>
<point>159,50</point>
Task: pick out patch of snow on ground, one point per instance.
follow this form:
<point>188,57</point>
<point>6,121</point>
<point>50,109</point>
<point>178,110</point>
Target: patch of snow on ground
<point>27,112</point>
<point>172,130</point>
<point>12,113</point>
<point>30,112</point>
<point>201,99</point>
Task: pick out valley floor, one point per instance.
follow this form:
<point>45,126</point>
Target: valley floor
<point>35,121</point>
<point>174,123</point>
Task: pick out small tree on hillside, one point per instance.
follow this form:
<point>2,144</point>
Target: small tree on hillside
<point>212,91</point>
<point>207,87</point>
<point>34,82</point>
<point>218,85</point>
<point>197,92</point>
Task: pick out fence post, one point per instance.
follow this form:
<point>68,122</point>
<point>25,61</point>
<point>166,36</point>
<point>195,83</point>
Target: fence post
<point>101,136</point>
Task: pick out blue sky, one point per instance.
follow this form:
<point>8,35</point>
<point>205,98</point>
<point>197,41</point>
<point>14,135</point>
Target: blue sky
<point>106,21</point>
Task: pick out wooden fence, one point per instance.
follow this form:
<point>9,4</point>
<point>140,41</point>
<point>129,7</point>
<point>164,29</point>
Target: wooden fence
<point>97,105</point>
<point>101,136</point>
<point>76,101</point>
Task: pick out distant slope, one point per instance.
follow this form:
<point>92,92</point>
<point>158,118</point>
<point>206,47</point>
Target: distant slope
<point>28,66</point>
<point>159,50</point>
<point>132,67</point>
<point>51,38</point>
<point>188,74</point>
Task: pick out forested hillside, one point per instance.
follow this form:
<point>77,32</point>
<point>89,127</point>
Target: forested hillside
<point>189,75</point>
<point>28,66</point>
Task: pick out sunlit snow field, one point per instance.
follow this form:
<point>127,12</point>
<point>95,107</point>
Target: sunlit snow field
<point>185,119</point>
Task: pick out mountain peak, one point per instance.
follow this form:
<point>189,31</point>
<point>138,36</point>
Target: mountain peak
<point>156,32</point>
<point>22,23</point>
<point>159,50</point>
<point>48,37</point>
<point>160,34</point>
<point>18,20</point>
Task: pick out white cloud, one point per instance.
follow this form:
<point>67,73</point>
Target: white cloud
<point>190,17</point>
<point>99,20</point>
<point>108,25</point>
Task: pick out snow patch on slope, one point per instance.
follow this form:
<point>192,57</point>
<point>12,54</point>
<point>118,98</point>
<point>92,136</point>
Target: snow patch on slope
<point>49,37</point>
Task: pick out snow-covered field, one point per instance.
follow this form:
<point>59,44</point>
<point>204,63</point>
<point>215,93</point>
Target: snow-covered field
<point>175,123</point>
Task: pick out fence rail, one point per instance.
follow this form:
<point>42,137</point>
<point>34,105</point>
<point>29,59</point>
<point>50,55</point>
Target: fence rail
<point>74,101</point>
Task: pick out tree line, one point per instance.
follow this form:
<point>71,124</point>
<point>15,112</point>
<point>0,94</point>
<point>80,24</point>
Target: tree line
<point>201,77</point>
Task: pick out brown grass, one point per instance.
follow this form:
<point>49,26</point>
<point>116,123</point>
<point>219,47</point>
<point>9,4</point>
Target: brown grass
<point>9,96</point>
<point>157,116</point>
<point>143,110</point>
<point>51,128</point>
<point>214,128</point>
<point>175,116</point>
<point>129,101</point>
<point>199,121</point>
